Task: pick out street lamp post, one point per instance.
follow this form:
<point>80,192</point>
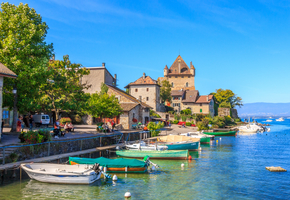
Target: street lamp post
<point>14,122</point>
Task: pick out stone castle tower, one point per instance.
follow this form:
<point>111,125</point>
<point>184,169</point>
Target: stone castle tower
<point>179,75</point>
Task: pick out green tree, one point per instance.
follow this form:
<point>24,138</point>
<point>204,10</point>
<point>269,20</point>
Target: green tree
<point>154,128</point>
<point>23,50</point>
<point>104,88</point>
<point>104,105</point>
<point>165,91</point>
<point>63,89</point>
<point>227,98</point>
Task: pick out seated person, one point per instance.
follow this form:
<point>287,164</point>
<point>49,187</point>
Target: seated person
<point>67,128</point>
<point>57,130</point>
<point>70,125</point>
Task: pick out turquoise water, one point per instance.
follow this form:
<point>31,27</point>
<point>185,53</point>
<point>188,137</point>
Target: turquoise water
<point>232,168</point>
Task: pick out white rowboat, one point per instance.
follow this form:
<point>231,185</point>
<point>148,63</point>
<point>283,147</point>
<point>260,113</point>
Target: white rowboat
<point>60,173</point>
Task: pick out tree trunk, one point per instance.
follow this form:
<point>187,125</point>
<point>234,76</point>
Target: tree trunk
<point>15,117</point>
<point>56,114</point>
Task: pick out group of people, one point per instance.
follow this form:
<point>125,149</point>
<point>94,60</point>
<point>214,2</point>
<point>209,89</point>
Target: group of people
<point>108,127</point>
<point>21,123</point>
<point>68,127</point>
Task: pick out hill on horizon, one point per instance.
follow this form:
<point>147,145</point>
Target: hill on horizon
<point>264,109</point>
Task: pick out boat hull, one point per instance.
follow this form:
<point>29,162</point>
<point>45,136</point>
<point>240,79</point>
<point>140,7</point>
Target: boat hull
<point>165,155</point>
<point>62,178</point>
<point>121,169</point>
<point>192,146</point>
<point>229,133</point>
<point>205,140</point>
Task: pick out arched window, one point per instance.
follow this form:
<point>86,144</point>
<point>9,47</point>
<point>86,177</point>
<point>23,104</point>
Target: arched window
<point>186,85</point>
<point>172,84</point>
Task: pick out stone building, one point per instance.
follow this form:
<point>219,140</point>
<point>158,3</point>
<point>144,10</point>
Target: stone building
<point>4,72</point>
<point>183,92</point>
<point>97,76</point>
<point>134,110</point>
<point>147,90</point>
<point>190,99</point>
<point>179,75</point>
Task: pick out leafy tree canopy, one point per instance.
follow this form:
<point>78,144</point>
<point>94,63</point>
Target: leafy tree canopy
<point>104,105</point>
<point>23,50</point>
<point>63,89</point>
<point>165,91</point>
<point>227,98</point>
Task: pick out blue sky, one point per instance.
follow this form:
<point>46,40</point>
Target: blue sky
<point>238,45</point>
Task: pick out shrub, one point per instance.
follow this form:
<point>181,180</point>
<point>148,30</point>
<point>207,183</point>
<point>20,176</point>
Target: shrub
<point>154,114</point>
<point>187,123</point>
<point>237,120</point>
<point>77,119</point>
<point>13,157</point>
<point>199,117</point>
<point>100,123</point>
<point>154,128</point>
<point>176,117</point>
<point>171,112</point>
<point>175,121</point>
<point>186,111</point>
<point>183,118</point>
<point>203,125</point>
<point>64,120</point>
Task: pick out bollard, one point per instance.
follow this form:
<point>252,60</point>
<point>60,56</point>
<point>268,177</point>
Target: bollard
<point>127,195</point>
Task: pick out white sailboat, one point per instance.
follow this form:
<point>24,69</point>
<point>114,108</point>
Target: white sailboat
<point>281,119</point>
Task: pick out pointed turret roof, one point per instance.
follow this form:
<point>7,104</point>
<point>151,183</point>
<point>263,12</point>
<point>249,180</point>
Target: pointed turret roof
<point>174,69</point>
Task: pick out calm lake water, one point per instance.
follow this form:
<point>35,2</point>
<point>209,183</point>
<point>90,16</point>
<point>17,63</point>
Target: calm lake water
<point>232,168</point>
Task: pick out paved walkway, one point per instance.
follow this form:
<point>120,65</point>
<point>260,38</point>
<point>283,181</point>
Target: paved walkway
<point>81,131</point>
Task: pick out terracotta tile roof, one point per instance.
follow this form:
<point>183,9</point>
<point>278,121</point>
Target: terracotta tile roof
<point>203,99</point>
<point>128,106</point>
<point>190,96</point>
<point>174,69</point>
<point>133,99</point>
<point>4,71</point>
<point>143,81</point>
<point>177,92</point>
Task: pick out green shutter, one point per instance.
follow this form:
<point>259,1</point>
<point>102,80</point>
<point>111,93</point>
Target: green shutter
<point>201,110</point>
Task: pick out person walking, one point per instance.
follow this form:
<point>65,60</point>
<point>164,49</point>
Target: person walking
<point>31,121</point>
<point>18,128</point>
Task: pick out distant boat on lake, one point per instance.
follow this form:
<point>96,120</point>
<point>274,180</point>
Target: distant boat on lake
<point>281,119</point>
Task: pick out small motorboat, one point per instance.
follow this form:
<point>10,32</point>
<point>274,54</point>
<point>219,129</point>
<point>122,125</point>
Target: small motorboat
<point>61,173</point>
<point>227,133</point>
<point>269,120</point>
<point>146,147</point>
<point>281,119</point>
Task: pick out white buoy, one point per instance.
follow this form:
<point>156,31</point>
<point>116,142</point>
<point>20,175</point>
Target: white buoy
<point>182,165</point>
<point>127,195</point>
<point>115,178</point>
<point>220,138</point>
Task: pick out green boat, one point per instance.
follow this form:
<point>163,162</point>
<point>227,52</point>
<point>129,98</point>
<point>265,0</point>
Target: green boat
<point>205,140</point>
<point>178,142</point>
<point>228,133</point>
<point>166,155</point>
<point>191,146</point>
<point>119,165</point>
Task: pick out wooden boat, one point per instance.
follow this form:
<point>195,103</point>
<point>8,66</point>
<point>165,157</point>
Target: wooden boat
<point>60,173</point>
<point>119,165</point>
<point>178,142</point>
<point>228,133</point>
<point>204,139</point>
<point>167,155</point>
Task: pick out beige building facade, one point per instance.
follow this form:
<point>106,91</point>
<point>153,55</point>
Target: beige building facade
<point>146,90</point>
<point>97,76</point>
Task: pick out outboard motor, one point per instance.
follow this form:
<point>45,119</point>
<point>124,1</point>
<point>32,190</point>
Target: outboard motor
<point>96,168</point>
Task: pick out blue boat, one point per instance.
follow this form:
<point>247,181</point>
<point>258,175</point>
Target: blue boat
<point>177,142</point>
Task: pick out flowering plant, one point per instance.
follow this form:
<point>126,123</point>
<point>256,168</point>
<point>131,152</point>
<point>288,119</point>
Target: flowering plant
<point>134,120</point>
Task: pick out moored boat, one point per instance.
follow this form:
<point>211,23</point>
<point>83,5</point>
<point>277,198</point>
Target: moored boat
<point>281,119</point>
<point>146,147</point>
<point>228,133</point>
<point>180,142</point>
<point>204,139</point>
<point>119,165</point>
<point>60,173</point>
<point>168,155</point>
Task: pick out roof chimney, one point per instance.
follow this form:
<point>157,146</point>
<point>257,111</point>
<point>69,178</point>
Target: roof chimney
<point>207,98</point>
<point>103,64</point>
<point>144,75</point>
<point>115,76</point>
